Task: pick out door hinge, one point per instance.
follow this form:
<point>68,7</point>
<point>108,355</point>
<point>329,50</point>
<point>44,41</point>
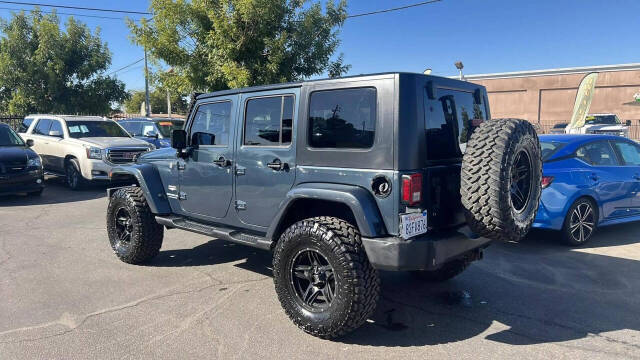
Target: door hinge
<point>241,205</point>
<point>240,170</point>
<point>182,196</point>
<point>180,166</point>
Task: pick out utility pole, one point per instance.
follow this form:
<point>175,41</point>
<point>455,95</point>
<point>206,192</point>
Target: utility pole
<point>147,107</point>
<point>168,104</point>
<point>459,66</point>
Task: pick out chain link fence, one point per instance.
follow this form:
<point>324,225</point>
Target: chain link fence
<point>547,127</point>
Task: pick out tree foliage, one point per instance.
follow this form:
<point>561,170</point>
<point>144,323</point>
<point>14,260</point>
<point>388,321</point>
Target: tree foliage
<point>158,101</point>
<point>220,44</point>
<point>44,68</point>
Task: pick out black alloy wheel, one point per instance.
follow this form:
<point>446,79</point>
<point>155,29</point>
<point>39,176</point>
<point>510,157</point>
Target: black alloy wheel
<point>123,225</point>
<point>313,280</point>
<point>520,189</point>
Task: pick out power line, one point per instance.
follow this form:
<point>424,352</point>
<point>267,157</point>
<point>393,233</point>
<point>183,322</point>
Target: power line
<point>77,7</point>
<point>393,9</point>
<point>68,14</point>
<point>124,67</point>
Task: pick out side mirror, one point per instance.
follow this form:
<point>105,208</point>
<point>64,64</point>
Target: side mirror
<point>30,142</point>
<point>151,134</point>
<point>179,140</point>
<point>55,133</point>
<point>628,122</point>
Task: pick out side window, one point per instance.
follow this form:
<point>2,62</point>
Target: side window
<point>148,128</point>
<point>211,124</point>
<point>343,118</point>
<point>57,127</point>
<point>597,154</point>
<point>42,127</point>
<point>630,153</point>
<point>25,125</point>
<point>268,121</point>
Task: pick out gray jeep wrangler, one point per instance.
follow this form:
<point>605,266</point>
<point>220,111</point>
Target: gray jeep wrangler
<point>339,178</point>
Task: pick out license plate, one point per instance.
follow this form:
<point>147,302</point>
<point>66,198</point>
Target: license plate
<point>413,224</point>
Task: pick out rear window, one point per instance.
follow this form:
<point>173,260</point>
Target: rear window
<point>450,118</point>
<point>549,148</point>
<point>344,118</point>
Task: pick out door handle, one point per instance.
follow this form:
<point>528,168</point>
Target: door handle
<point>222,162</point>
<point>278,165</point>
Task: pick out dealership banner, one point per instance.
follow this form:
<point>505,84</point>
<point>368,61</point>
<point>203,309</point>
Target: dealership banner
<point>583,101</point>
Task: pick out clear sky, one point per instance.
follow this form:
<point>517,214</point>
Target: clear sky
<point>486,35</point>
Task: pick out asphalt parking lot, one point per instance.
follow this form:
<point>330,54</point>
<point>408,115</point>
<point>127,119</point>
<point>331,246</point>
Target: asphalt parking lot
<point>64,295</point>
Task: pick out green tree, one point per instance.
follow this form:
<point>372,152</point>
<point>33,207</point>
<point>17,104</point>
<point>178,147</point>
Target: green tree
<point>220,44</point>
<point>46,69</point>
<point>158,101</point>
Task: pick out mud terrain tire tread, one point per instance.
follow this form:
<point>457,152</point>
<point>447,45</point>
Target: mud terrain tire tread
<point>485,179</point>
<point>358,291</point>
<point>147,234</point>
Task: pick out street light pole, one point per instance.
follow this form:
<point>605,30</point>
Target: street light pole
<point>168,104</point>
<point>147,107</point>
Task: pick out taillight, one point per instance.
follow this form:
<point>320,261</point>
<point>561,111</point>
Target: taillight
<point>412,189</point>
<point>546,181</point>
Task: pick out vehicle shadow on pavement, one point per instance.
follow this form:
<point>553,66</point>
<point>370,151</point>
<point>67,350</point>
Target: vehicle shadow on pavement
<point>538,291</point>
<point>56,192</point>
<point>216,252</point>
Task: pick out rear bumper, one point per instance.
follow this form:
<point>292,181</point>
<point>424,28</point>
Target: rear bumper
<point>427,252</point>
<point>30,181</point>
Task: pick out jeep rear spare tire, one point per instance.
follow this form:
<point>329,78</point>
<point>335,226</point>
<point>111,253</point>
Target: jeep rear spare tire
<point>501,179</point>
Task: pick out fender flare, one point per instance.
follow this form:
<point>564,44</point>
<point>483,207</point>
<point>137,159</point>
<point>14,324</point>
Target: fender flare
<point>359,200</point>
<point>149,181</point>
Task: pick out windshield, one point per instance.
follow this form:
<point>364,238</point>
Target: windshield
<point>166,127</point>
<point>9,138</point>
<point>602,119</point>
<point>84,129</point>
<point>549,148</point>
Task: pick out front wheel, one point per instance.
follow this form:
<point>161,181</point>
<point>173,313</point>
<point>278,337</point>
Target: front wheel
<point>74,178</point>
<point>580,223</point>
<point>323,278</point>
<point>134,234</point>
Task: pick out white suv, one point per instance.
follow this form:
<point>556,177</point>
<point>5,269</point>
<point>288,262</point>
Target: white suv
<point>82,148</point>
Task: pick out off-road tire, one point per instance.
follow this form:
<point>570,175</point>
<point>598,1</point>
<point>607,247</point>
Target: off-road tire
<point>73,175</point>
<point>357,282</point>
<point>486,179</point>
<point>566,234</point>
<point>146,234</point>
<point>446,272</point>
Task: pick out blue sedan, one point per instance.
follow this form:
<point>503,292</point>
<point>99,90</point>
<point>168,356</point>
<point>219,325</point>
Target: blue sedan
<point>588,181</point>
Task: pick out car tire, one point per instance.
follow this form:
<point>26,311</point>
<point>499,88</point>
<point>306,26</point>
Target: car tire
<point>446,272</point>
<point>73,175</point>
<point>134,234</point>
<point>580,223</point>
<point>501,179</point>
<point>323,277</point>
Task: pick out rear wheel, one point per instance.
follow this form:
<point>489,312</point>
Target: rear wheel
<point>323,278</point>
<point>580,223</point>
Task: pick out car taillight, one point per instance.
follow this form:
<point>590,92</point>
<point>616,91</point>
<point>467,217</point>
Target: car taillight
<point>412,189</point>
<point>546,181</point>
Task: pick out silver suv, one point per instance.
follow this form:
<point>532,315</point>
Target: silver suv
<point>81,148</point>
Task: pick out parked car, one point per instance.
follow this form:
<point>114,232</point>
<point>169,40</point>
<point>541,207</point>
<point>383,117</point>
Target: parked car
<point>339,178</point>
<point>20,167</point>
<point>558,128</point>
<point>604,124</point>
<point>156,131</point>
<point>589,181</point>
<point>81,148</point>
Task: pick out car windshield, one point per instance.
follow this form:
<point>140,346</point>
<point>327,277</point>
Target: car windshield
<point>601,119</point>
<point>549,148</point>
<point>9,138</point>
<point>84,129</point>
<point>166,127</point>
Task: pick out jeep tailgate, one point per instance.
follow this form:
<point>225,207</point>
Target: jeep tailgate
<point>441,195</point>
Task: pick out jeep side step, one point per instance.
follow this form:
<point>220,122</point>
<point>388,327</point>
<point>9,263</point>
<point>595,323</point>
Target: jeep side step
<point>235,236</point>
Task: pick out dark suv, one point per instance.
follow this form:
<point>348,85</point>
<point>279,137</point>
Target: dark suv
<point>339,178</point>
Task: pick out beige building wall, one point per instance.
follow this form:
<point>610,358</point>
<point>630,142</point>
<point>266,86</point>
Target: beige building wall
<point>546,97</point>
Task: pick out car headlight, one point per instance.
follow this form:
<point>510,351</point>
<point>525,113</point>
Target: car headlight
<point>94,153</point>
<point>34,162</point>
